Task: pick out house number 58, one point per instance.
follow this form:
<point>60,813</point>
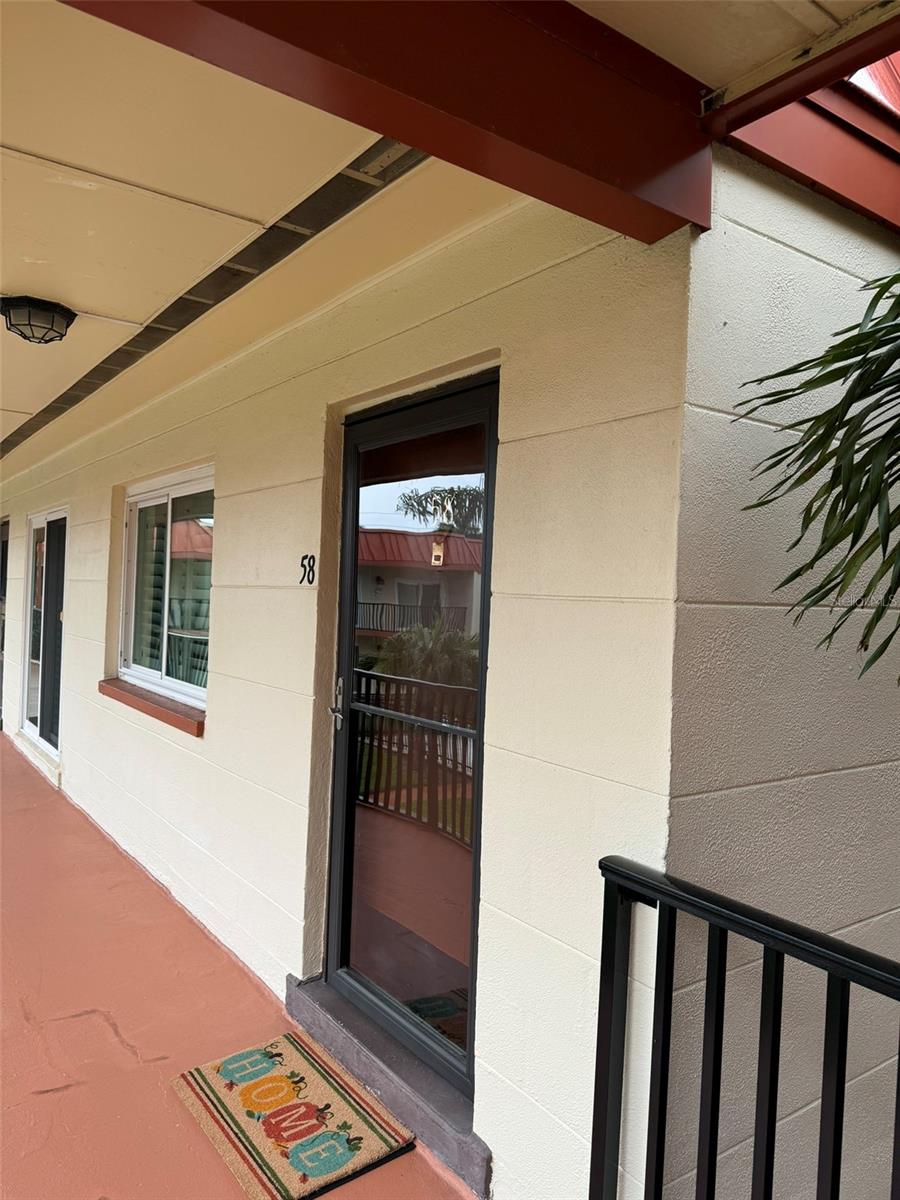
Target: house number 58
<point>308,568</point>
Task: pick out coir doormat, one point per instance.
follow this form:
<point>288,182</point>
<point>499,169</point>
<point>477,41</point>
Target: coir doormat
<point>288,1120</point>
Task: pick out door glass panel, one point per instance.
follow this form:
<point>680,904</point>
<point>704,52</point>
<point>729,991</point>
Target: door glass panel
<point>190,570</point>
<point>149,585</point>
<point>414,718</point>
<point>36,606</point>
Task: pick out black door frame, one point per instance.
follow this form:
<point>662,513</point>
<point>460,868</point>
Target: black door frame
<point>55,524</point>
<point>55,531</point>
<point>462,402</point>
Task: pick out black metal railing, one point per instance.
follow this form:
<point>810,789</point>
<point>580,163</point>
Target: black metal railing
<point>393,618</point>
<point>416,750</point>
<point>629,883</point>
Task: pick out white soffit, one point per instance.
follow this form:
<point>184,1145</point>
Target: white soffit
<point>78,90</point>
<point>721,41</point>
<point>104,248</point>
<point>129,172</point>
<point>425,209</point>
<point>31,376</point>
<point>10,421</point>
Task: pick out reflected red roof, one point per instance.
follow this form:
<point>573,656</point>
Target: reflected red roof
<point>190,539</point>
<point>405,548</point>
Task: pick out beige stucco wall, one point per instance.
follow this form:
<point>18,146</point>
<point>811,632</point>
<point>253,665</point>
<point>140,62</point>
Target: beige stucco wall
<point>589,330</point>
<point>785,768</point>
<point>619,365</point>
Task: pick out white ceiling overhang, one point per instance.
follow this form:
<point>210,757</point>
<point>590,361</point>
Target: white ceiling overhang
<point>725,43</point>
<point>131,174</point>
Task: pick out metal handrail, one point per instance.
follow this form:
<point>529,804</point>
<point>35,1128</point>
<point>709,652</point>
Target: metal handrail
<point>628,883</point>
<point>872,971</point>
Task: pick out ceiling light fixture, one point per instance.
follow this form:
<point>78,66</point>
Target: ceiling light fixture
<point>36,320</point>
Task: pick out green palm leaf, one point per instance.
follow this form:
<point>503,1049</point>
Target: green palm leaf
<point>852,449</point>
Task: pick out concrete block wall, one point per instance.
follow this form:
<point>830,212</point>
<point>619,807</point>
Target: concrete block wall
<point>589,331</point>
<point>618,721</point>
<point>785,768</point>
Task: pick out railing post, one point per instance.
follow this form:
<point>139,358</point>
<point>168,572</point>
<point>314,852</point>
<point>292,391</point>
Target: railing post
<point>711,1066</point>
<point>834,1082</point>
<point>610,1067</point>
<point>895,1173</point>
<point>663,994</point>
<point>768,1061</point>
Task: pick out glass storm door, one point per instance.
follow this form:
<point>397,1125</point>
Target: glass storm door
<point>43,634</point>
<point>418,490</point>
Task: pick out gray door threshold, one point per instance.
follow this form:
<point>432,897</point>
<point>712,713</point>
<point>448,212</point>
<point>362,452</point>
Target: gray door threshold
<point>438,1114</point>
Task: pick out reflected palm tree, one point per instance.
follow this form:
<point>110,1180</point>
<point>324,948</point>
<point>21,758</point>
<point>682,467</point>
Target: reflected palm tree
<point>434,653</point>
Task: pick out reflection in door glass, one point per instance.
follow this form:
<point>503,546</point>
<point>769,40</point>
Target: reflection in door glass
<point>36,593</point>
<point>415,703</point>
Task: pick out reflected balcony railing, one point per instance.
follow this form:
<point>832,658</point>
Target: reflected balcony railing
<point>393,618</point>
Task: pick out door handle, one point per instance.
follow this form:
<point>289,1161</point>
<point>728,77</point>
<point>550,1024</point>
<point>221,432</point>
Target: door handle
<point>337,709</point>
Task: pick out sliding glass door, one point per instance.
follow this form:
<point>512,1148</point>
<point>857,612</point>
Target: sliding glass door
<point>43,630</point>
<point>417,504</point>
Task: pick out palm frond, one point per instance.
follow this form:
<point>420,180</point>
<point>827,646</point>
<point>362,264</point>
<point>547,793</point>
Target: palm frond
<point>852,448</point>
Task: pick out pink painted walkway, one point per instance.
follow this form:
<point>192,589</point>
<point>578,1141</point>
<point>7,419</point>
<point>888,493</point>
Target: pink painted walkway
<point>109,989</point>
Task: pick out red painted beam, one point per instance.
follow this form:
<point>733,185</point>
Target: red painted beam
<point>836,144</point>
<point>807,76</point>
<point>577,116</point>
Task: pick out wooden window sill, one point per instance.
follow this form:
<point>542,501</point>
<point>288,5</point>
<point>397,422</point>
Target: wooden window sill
<point>180,716</point>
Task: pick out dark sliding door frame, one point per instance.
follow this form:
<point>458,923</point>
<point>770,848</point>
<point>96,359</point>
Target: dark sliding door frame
<point>55,525</point>
<point>464,402</point>
<point>51,652</point>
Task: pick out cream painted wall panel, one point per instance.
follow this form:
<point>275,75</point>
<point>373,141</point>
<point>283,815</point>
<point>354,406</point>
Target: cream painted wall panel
<point>796,216</point>
<point>574,818</point>
<point>260,536</point>
<point>84,603</point>
<point>607,711</point>
<point>751,314</point>
<point>637,295</point>
<point>15,597</point>
<point>551,1160</point>
<point>781,706</point>
<point>87,550</point>
<point>89,502</point>
<point>12,691</point>
<point>726,553</point>
<point>600,506</point>
<point>219,899</point>
<point>14,640</point>
<point>511,989</point>
<point>16,547</point>
<point>83,665</point>
<point>781,833</point>
<point>260,733</point>
<point>213,810</point>
<point>264,635</point>
<point>274,437</point>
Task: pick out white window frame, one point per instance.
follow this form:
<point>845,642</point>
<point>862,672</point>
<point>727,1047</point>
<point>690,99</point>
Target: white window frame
<point>156,491</point>
<point>38,521</point>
